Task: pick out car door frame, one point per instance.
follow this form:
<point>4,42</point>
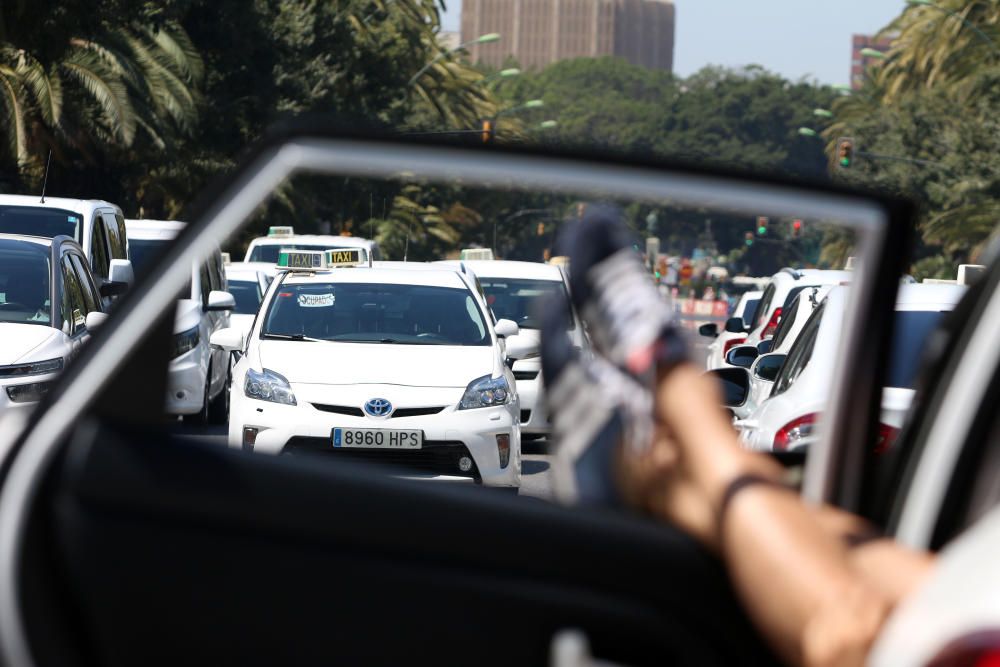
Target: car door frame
<point>131,341</point>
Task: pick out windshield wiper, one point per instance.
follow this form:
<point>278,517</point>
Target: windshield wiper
<point>302,337</point>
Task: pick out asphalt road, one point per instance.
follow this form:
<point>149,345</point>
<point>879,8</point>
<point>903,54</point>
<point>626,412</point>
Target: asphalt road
<point>535,458</point>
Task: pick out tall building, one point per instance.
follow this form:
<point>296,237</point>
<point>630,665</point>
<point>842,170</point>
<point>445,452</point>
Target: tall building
<point>859,62</point>
<point>537,33</point>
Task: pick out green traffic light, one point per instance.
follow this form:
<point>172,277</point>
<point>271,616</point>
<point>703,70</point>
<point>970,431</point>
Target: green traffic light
<point>761,230</point>
<point>749,242</point>
<point>845,162</point>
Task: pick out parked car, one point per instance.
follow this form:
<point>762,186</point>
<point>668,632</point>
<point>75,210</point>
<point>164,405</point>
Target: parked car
<point>247,282</point>
<point>783,287</point>
<point>49,305</point>
<point>734,331</point>
<point>98,226</point>
<point>800,393</point>
<point>267,248</point>
<point>199,374</point>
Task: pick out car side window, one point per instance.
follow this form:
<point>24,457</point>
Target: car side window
<point>116,238</point>
<point>786,324</point>
<point>99,262</point>
<point>73,308</point>
<point>91,297</point>
<point>218,272</point>
<point>765,303</point>
<point>799,355</point>
<point>204,277</point>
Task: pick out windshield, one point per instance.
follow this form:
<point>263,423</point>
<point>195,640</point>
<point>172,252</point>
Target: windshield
<point>269,253</point>
<point>520,300</point>
<point>369,313</point>
<point>247,294</point>
<point>38,221</point>
<point>25,284</point>
<point>912,327</point>
<point>143,251</point>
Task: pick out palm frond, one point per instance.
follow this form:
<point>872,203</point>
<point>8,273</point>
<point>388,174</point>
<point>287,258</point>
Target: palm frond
<point>107,90</point>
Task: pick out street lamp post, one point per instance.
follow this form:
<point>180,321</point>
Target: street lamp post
<point>822,113</point>
<point>547,124</point>
<point>502,74</point>
<point>966,22</point>
<point>872,53</point>
<point>808,132</point>
<point>482,39</point>
<point>530,104</point>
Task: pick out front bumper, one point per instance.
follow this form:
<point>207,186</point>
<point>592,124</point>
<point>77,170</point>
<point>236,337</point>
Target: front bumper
<point>448,434</point>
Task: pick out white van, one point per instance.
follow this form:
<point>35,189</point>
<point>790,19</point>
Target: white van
<point>98,226</point>
<point>198,384</point>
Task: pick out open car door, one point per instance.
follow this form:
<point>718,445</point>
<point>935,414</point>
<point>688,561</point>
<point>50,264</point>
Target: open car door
<point>121,544</point>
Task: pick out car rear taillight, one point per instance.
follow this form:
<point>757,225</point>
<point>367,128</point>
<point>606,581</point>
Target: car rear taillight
<point>730,344</point>
<point>886,436</point>
<point>772,324</point>
<point>792,433</point>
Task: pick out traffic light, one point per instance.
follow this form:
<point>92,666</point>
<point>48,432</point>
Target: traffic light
<point>540,231</point>
<point>845,152</point>
<point>749,239</point>
<point>488,129</point>
<point>796,228</point>
<point>762,226</point>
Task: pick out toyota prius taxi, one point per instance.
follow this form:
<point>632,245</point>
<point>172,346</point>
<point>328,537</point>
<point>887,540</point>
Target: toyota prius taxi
<point>387,365</point>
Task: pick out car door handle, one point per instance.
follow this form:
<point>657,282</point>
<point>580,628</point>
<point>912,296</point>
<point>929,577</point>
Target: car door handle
<point>570,648</point>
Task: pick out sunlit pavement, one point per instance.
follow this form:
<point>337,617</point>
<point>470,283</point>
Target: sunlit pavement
<point>535,458</point>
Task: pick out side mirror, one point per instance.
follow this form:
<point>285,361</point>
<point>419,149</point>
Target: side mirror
<point>736,325</point>
<point>742,356</point>
<point>506,328</point>
<point>94,320</point>
<point>764,346</point>
<point>767,367</point>
<point>218,300</point>
<point>120,271</point>
<point>735,385</point>
<point>710,330</point>
<point>521,347</point>
<point>229,339</point>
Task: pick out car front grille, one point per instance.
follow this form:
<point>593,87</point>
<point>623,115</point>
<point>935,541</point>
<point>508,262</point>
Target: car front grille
<point>436,456</point>
<point>358,412</point>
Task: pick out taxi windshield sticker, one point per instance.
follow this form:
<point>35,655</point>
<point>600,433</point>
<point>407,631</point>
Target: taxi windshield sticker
<point>316,300</point>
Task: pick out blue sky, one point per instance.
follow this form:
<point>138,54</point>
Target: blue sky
<point>796,38</point>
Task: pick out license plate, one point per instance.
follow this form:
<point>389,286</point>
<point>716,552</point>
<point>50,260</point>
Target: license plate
<point>377,438</point>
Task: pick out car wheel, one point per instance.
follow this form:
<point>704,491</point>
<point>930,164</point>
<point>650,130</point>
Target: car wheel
<point>218,409</point>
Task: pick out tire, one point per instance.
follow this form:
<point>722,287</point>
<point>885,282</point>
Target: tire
<point>218,408</point>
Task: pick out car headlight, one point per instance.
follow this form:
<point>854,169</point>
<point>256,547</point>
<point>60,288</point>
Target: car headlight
<point>268,386</point>
<point>31,368</point>
<point>485,392</point>
<point>185,341</point>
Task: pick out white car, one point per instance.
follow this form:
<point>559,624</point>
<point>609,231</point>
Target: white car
<point>198,385</point>
<point>247,282</point>
<point>49,304</point>
<point>97,226</point>
<point>516,291</point>
<point>267,248</point>
<point>787,420</point>
<point>735,331</point>
<point>392,365</point>
<point>782,288</point>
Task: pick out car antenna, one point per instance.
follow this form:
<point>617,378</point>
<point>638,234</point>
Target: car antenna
<point>45,180</point>
<point>406,248</point>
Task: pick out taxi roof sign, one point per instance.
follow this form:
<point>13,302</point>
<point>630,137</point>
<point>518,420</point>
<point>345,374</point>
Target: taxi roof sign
<point>280,232</point>
<point>476,253</point>
<point>321,260</point>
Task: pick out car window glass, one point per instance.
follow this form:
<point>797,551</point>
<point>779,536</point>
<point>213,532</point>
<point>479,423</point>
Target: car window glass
<point>520,300</point>
<point>247,294</point>
<point>750,311</point>
<point>39,221</point>
<point>764,305</point>
<point>786,324</point>
<point>115,238</point>
<point>91,299</point>
<point>205,278</point>
<point>74,311</point>
<point>799,355</point>
<point>25,284</point>
<point>99,262</point>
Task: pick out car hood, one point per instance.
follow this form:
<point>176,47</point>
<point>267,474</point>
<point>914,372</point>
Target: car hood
<point>373,363</point>
<point>19,341</point>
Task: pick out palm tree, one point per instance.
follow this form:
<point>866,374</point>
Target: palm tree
<point>99,93</point>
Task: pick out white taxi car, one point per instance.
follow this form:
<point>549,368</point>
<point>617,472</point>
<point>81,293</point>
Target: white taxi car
<point>389,365</point>
<point>516,291</point>
<point>268,248</point>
